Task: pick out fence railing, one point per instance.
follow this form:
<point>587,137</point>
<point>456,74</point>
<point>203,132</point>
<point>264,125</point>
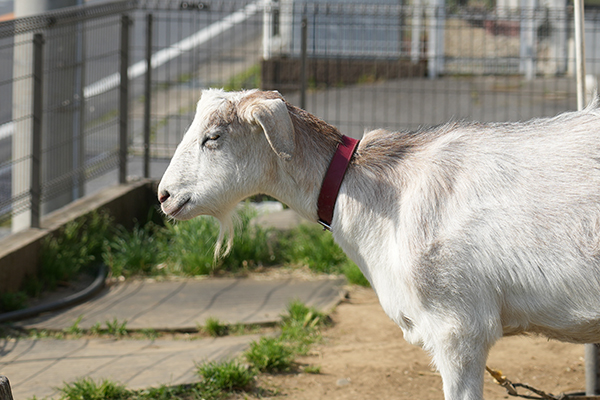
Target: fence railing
<point>91,96</point>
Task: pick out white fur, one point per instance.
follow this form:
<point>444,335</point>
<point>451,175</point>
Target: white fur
<point>467,232</point>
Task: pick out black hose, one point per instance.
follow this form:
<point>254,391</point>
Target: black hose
<point>73,299</point>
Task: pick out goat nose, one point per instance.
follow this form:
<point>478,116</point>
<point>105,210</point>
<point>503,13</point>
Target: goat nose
<point>163,196</point>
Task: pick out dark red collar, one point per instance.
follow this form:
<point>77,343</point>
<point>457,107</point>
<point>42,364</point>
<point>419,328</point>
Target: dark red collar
<point>333,180</point>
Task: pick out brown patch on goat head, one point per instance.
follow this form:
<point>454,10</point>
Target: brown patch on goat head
<point>222,116</point>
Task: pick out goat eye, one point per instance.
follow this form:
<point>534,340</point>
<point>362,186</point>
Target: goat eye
<point>210,141</point>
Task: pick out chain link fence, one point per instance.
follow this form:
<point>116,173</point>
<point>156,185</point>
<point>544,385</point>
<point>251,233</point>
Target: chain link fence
<point>94,96</point>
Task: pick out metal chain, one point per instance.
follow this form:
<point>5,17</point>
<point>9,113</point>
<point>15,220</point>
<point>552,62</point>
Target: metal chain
<point>511,389</point>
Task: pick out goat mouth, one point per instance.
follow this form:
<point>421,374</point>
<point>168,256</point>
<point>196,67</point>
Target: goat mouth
<point>178,208</point>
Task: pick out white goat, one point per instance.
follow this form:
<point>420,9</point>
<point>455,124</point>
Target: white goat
<point>467,231</point>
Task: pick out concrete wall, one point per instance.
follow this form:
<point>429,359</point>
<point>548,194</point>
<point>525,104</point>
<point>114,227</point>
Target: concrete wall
<point>20,252</point>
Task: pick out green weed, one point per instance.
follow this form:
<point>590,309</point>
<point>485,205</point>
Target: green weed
<point>134,253</point>
<point>300,326</point>
<point>312,369</point>
<point>88,389</point>
<point>270,354</point>
<point>74,329</point>
<point>226,376</point>
<point>96,329</point>
<point>309,245</point>
<point>214,327</point>
<point>116,328</point>
<point>149,333</point>
<point>197,391</point>
<point>191,246</point>
<point>252,245</point>
<point>74,249</point>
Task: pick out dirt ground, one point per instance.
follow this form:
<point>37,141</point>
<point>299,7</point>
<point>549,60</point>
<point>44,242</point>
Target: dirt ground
<point>364,356</point>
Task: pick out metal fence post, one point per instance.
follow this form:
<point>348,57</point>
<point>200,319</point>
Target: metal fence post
<point>591,369</point>
<point>124,99</point>
<point>147,95</point>
<point>36,141</point>
<point>303,66</point>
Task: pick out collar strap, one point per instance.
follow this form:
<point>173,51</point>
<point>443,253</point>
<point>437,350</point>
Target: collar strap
<point>333,180</point>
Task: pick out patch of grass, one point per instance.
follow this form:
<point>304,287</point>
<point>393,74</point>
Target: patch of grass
<point>96,329</point>
<point>45,334</point>
<point>300,314</point>
<point>226,376</point>
<point>88,389</point>
<point>299,330</point>
<point>312,369</point>
<point>354,274</point>
<point>191,246</point>
<point>300,326</point>
<point>311,246</point>
<point>197,391</point>
<point>74,329</point>
<point>214,327</point>
<point>116,328</point>
<point>270,354</point>
<point>74,249</point>
<point>136,252</point>
<point>252,246</point>
<point>12,301</point>
<point>149,333</point>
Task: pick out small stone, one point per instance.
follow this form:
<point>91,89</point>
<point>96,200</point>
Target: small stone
<point>343,381</point>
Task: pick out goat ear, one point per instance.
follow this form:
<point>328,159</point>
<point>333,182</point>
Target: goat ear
<point>273,116</point>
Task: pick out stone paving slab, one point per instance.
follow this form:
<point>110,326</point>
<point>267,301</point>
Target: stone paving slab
<point>184,305</point>
<point>38,367</point>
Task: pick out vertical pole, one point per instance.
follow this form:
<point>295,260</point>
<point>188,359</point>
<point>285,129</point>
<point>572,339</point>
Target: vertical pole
<point>591,370</point>
<point>78,113</point>
<point>437,21</point>
<point>147,95</point>
<point>417,28</point>
<point>592,381</point>
<point>580,53</point>
<point>36,144</point>
<point>303,66</point>
<point>124,99</point>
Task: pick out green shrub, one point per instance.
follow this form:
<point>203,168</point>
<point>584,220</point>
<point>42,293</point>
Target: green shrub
<point>226,376</point>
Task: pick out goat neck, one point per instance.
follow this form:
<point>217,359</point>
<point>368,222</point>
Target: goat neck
<point>301,177</point>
